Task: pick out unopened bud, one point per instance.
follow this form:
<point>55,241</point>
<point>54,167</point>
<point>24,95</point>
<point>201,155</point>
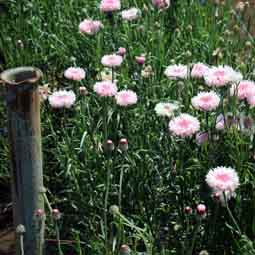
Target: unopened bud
<point>201,210</point>
<point>83,91</point>
<point>109,146</point>
<point>122,51</point>
<point>20,229</point>
<point>188,210</point>
<point>39,213</point>
<point>125,250</point>
<point>56,214</point>
<point>123,144</point>
<point>114,210</point>
<point>140,60</point>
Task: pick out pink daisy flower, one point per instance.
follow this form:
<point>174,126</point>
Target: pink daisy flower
<point>130,14</point>
<point>62,99</point>
<point>105,88</point>
<point>206,101</point>
<point>199,70</point>
<point>111,60</point>
<point>161,4</point>
<point>221,76</point>
<point>243,90</point>
<point>109,5</point>
<point>175,72</point>
<point>90,27</point>
<point>74,73</point>
<point>223,179</point>
<point>251,100</point>
<point>126,98</point>
<point>184,125</point>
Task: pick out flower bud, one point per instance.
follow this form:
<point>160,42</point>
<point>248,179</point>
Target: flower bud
<point>188,210</point>
<point>109,146</point>
<point>83,91</point>
<point>122,51</point>
<point>140,59</point>
<point>20,229</point>
<point>114,210</point>
<point>39,213</point>
<point>125,250</point>
<point>201,210</point>
<point>201,137</point>
<point>123,144</point>
<point>56,214</point>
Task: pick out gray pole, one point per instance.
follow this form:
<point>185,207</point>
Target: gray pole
<point>23,105</point>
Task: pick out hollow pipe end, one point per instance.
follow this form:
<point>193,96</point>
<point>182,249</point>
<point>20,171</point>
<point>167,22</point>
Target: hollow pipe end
<point>21,75</point>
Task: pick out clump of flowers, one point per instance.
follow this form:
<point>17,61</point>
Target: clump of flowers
<point>62,99</point>
<point>126,98</point>
<point>223,180</point>
<point>199,70</point>
<point>221,76</point>
<point>175,72</point>
<point>75,73</point>
<point>111,60</point>
<point>161,4</point>
<point>166,109</point>
<point>130,14</point>
<point>206,101</point>
<point>109,5</point>
<point>105,89</point>
<point>90,27</point>
<point>184,125</point>
<point>243,90</point>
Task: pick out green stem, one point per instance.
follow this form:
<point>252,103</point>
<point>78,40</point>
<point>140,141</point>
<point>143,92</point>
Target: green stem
<point>58,239</point>
<point>194,237</point>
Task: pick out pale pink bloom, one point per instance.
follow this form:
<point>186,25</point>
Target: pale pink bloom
<point>62,99</point>
<point>199,70</point>
<point>140,59</point>
<point>90,27</point>
<point>223,179</point>
<point>74,73</point>
<point>175,72</point>
<point>184,125</point>
<point>111,60</point>
<point>201,137</point>
<point>122,51</point>
<point>110,5</point>
<point>206,101</point>
<point>220,122</point>
<point>126,97</point>
<point>221,76</point>
<point>243,90</point>
<point>105,89</point>
<point>161,4</point>
<point>130,14</point>
<point>166,109</point>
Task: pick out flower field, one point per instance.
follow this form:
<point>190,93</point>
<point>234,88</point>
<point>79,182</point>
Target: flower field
<point>148,121</point>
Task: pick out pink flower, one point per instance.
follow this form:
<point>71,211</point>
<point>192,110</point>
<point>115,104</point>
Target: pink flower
<point>110,5</point>
<point>206,101</point>
<point>130,14</point>
<point>122,51</point>
<point>221,76</point>
<point>105,88</point>
<point>199,70</point>
<point>126,97</point>
<point>90,27</point>
<point>243,90</point>
<point>161,4</point>
<point>62,99</point>
<point>184,125</point>
<point>175,72</point>
<point>75,73</point>
<point>251,100</point>
<point>140,59</point>
<point>111,60</point>
<point>223,179</point>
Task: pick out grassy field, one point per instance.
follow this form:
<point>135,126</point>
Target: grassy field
<point>138,197</point>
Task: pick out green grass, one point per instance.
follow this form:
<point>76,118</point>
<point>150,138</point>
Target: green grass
<point>75,168</point>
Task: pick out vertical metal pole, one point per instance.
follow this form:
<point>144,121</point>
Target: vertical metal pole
<point>23,105</point>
